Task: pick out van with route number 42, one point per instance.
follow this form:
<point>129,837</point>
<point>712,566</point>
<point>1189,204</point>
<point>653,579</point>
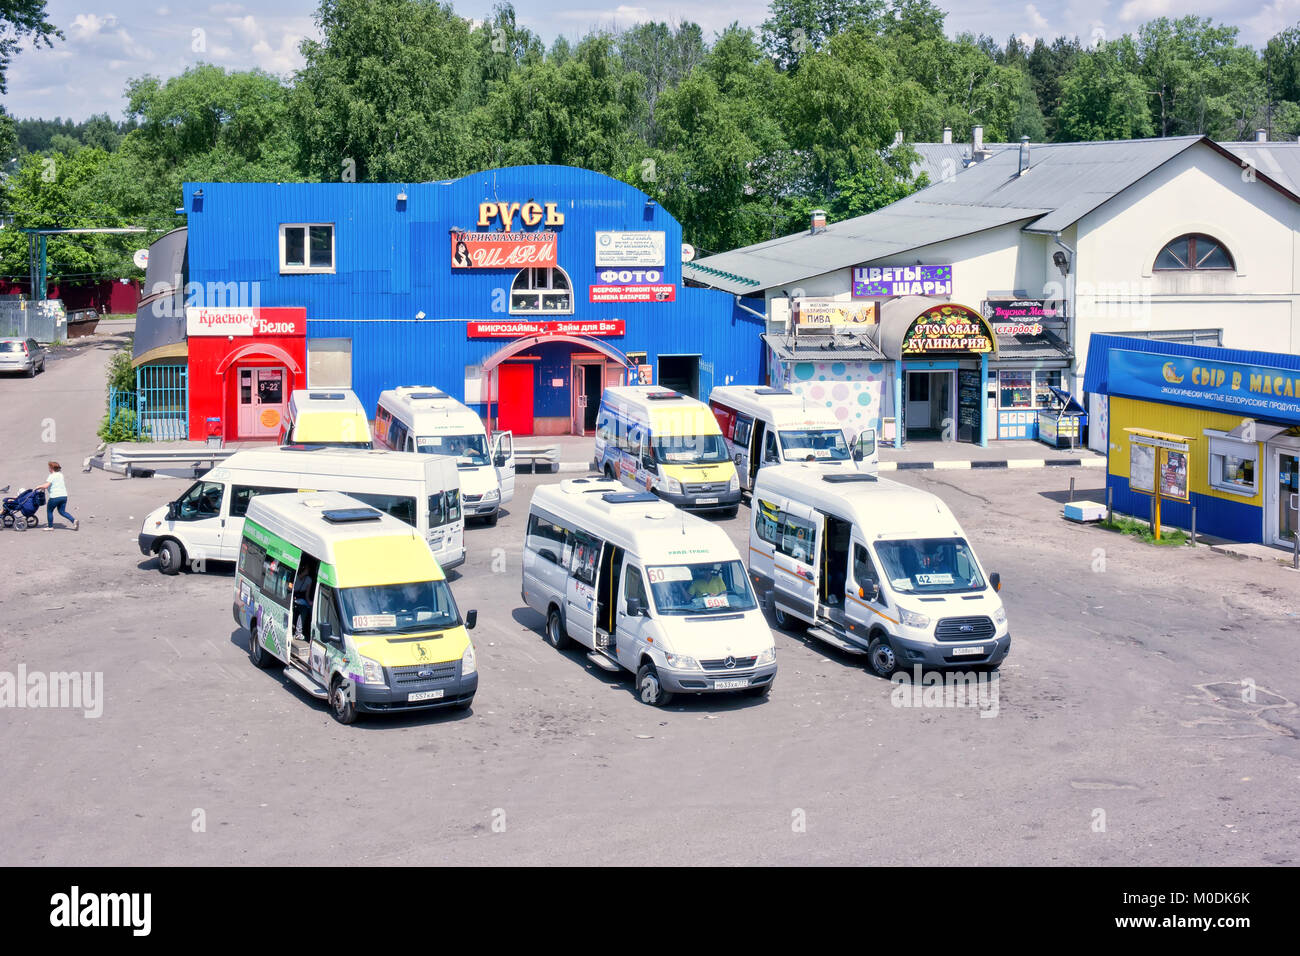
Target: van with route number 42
<point>873,567</point>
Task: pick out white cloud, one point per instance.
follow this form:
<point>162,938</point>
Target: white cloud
<point>1037,20</point>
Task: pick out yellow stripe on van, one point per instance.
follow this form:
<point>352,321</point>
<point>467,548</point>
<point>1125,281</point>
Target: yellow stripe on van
<point>391,559</point>
<point>689,420</point>
<point>331,426</point>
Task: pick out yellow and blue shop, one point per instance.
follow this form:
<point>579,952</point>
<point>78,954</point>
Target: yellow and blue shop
<point>1241,412</point>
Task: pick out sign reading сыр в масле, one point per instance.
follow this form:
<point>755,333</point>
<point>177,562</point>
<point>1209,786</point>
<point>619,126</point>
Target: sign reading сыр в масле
<point>1256,390</point>
<point>883,282</point>
<point>502,250</point>
<point>517,328</point>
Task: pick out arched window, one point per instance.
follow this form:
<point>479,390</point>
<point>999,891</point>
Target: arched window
<point>1194,252</point>
<point>540,291</point>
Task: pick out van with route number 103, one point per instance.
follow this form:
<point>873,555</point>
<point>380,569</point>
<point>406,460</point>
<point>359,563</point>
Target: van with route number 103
<point>354,606</point>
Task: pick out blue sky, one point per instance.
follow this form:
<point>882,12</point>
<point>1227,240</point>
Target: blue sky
<point>110,41</point>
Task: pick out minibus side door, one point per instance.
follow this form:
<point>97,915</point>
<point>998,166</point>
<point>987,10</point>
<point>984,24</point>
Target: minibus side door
<point>198,518</point>
<point>325,651</point>
<point>580,586</point>
<point>503,459</point>
<point>798,551</point>
<point>740,446</point>
<point>633,616</point>
<point>864,599</point>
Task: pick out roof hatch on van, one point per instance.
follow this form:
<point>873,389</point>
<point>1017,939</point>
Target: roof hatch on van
<point>326,396</point>
<point>772,391</point>
<point>426,396</point>
<point>661,396</point>
<point>347,515</point>
<point>627,497</point>
<point>841,478</point>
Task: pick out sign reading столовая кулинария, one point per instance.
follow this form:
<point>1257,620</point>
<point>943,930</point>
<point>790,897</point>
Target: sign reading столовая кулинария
<point>1256,390</point>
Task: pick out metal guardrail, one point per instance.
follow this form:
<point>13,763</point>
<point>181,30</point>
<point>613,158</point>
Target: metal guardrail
<point>534,454</point>
<point>130,460</point>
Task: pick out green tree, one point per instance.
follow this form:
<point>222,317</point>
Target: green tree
<point>23,21</point>
<point>796,28</point>
<point>1103,96</point>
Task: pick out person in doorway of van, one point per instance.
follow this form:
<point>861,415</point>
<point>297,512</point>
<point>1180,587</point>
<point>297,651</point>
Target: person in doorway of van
<point>56,496</point>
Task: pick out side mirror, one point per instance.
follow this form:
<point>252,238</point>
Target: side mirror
<point>995,579</point>
<point>499,461</point>
<point>172,511</point>
<point>471,619</point>
<point>325,631</point>
<point>857,453</point>
<point>649,463</point>
<point>635,608</point>
<point>871,593</point>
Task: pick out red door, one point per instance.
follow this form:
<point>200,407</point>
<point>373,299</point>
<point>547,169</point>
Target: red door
<point>515,390</point>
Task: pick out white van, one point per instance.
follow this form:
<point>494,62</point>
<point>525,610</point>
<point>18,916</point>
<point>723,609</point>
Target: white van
<point>319,416</point>
<point>647,588</point>
<point>427,420</point>
<point>206,521</point>
<point>668,443</point>
<point>875,567</point>
<point>768,426</point>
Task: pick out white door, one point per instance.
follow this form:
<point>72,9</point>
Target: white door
<point>199,523</point>
<point>742,435</point>
<point>630,630</point>
<point>795,561</point>
<point>262,402</point>
<point>503,459</point>
<point>1285,495</point>
<point>580,590</point>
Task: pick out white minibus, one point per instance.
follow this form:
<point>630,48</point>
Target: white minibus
<point>646,588</point>
<point>662,441</point>
<point>204,523</point>
<point>768,426</point>
<point>427,420</point>
<point>873,567</point>
<point>319,416</point>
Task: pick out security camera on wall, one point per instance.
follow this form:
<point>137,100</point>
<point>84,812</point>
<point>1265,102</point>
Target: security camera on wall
<point>1062,262</point>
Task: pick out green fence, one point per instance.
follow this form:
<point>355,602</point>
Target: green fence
<point>158,409</point>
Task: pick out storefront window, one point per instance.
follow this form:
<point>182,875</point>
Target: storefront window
<point>1015,389</point>
<point>543,291</point>
<point>1234,466</point>
<point>1043,382</point>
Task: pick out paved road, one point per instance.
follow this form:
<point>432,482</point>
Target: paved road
<point>1122,697</point>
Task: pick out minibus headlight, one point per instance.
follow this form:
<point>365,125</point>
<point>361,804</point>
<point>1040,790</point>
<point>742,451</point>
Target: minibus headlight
<point>492,495</point>
<point>1000,616</point>
<point>672,486</point>
<point>912,619</point>
<point>468,662</point>
<point>372,671</point>
<point>682,662</point>
<point>768,656</point>
<point>734,484</point>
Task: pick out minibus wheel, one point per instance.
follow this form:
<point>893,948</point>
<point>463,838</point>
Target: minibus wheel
<point>555,635</point>
<point>786,622</point>
<point>342,704</point>
<point>170,557</point>
<point>649,688</point>
<point>881,657</point>
<point>256,652</point>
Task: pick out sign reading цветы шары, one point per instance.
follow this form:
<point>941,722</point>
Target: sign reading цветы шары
<point>872,282</point>
<point>641,248</point>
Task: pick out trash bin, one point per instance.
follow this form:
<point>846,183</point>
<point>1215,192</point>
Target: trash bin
<point>214,436</point>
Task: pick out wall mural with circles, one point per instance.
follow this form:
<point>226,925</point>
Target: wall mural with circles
<point>852,391</point>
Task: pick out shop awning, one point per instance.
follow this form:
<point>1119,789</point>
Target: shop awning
<point>897,317</point>
<point>1260,431</point>
<point>260,350</point>
<point>823,348</point>
<point>1045,350</point>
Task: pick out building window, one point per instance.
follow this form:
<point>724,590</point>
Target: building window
<point>307,247</point>
<point>1234,466</point>
<point>1015,389</point>
<point>1194,252</point>
<point>541,291</point>
<point>1044,381</point>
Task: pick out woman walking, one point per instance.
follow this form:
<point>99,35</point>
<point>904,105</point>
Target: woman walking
<point>56,496</point>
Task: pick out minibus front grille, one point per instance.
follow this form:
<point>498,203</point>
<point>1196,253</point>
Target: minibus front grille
<point>470,498</point>
<point>705,488</point>
<point>964,629</point>
<point>423,673</point>
<point>741,663</point>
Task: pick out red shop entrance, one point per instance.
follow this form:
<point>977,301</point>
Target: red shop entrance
<point>515,390</point>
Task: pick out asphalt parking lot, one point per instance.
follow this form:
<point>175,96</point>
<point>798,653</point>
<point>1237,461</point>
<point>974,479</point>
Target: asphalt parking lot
<point>1146,714</point>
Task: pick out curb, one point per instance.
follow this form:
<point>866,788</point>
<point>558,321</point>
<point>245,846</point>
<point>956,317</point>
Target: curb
<point>1007,463</point>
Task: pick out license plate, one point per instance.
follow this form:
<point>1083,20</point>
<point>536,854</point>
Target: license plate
<point>730,684</point>
<point>425,695</point>
<point>706,501</point>
<point>968,652</point>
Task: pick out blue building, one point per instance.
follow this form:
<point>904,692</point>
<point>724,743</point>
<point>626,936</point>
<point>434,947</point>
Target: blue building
<point>522,291</point>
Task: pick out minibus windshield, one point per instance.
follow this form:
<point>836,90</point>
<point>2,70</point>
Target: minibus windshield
<point>713,587</point>
<point>470,448</point>
<point>930,566</point>
<point>691,449</point>
<point>821,444</point>
<point>416,606</point>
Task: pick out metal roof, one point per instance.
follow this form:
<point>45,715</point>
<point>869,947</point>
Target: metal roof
<point>1064,182</point>
<point>1097,374</point>
<point>1280,161</point>
<point>822,348</point>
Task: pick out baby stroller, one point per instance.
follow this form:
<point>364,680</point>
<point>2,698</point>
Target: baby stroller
<point>20,511</point>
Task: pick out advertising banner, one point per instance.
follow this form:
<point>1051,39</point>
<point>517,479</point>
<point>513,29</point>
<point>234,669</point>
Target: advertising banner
<point>245,322</point>
<point>1020,311</point>
<point>502,250</point>
<point>513,329</point>
<point>947,328</point>
<point>632,293</point>
<point>1255,390</point>
<point>641,248</point>
<point>814,314</point>
<point>884,282</point>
